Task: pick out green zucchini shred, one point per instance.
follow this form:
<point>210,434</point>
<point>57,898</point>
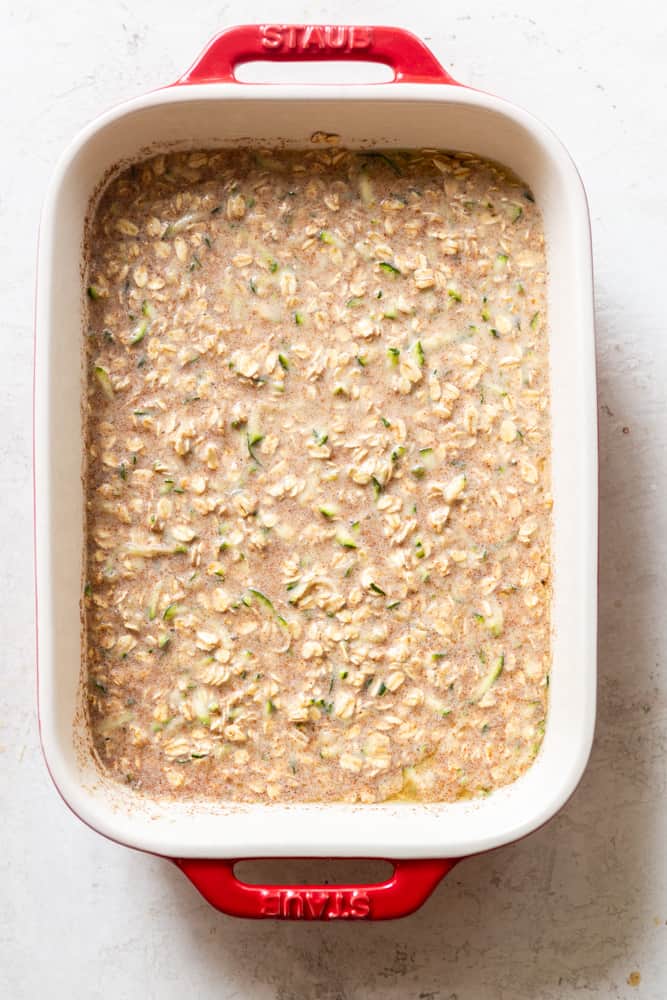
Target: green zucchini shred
<point>104,382</point>
<point>139,332</point>
<point>419,353</point>
<point>491,677</point>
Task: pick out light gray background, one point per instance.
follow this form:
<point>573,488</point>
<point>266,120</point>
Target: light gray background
<point>580,905</point>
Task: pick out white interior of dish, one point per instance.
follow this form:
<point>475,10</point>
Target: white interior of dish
<point>399,115</point>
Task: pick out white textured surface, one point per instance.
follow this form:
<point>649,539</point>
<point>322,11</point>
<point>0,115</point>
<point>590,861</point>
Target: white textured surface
<point>577,907</point>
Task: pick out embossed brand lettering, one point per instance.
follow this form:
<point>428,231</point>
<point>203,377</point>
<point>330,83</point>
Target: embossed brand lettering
<point>316,903</point>
<point>271,36</point>
<point>271,904</point>
<point>307,904</point>
<point>361,905</point>
<point>311,37</point>
<point>292,905</point>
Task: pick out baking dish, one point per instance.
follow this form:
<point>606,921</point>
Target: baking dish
<point>423,106</point>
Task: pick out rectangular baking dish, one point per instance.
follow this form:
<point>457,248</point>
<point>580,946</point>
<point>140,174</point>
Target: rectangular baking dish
<point>422,106</point>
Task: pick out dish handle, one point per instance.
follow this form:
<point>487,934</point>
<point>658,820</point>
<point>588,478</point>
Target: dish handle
<point>403,52</point>
<point>411,883</point>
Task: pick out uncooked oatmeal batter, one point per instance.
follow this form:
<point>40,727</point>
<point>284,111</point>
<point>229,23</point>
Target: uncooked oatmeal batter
<point>317,483</point>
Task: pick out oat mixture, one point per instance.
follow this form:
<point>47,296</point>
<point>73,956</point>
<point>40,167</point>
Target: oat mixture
<point>318,480</point>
